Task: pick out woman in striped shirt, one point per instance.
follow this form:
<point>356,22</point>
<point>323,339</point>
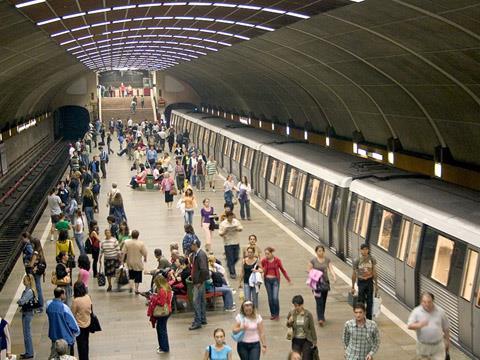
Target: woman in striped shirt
<point>111,250</point>
<point>211,172</point>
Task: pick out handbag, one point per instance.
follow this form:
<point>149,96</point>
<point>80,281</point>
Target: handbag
<point>238,337</point>
<point>161,310</point>
<point>122,277</point>
<point>173,192</point>
<point>71,258</point>
<point>289,335</point>
<point>323,285</point>
<point>101,280</point>
<point>88,246</point>
<point>377,306</point>
<point>94,323</point>
<point>60,282</point>
<point>352,299</point>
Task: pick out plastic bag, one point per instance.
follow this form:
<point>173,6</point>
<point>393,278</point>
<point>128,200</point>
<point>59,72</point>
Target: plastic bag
<point>377,307</point>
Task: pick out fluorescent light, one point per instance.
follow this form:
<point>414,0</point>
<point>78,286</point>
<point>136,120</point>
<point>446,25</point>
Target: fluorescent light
<point>121,21</point>
<point>288,130</point>
<point>101,23</point>
<point>301,16</point>
<point>80,28</point>
<point>163,17</point>
<point>124,7</point>
<point>241,37</point>
<point>85,37</point>
<point>174,3</point>
<point>327,141</point>
<point>377,156</point>
<point>224,33</point>
<point>184,17</point>
<point>143,18</point>
<point>194,3</point>
<point>67,42</point>
<point>208,31</point>
<point>210,48</point>
<point>224,43</point>
<point>260,123</point>
<point>99,11</point>
<point>275,11</point>
<point>71,16</point>
<point>250,7</point>
<point>273,126</point>
<point>362,152</point>
<point>48,21</point>
<point>391,157</point>
<point>29,3</point>
<point>74,48</point>
<point>204,19</point>
<point>357,0</point>
<point>60,33</point>
<point>149,5</point>
<point>225,5</point>
<point>225,21</point>
<point>355,147</point>
<point>244,24</point>
<point>264,28</point>
<point>438,169</point>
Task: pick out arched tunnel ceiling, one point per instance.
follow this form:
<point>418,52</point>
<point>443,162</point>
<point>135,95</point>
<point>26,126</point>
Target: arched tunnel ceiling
<point>406,69</point>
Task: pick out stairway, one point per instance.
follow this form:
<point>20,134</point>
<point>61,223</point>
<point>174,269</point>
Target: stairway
<point>119,107</point>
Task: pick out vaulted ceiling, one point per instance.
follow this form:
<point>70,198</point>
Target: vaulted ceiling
<point>401,69</point>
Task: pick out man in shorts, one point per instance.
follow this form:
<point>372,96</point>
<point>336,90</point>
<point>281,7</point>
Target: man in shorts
<point>55,207</point>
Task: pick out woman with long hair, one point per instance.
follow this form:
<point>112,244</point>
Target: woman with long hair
<point>228,189</point>
<point>254,340</point>
<point>250,266</point>
<point>244,190</point>
<point>83,270</point>
<point>39,266</point>
<point>88,204</point>
<point>82,310</point>
<point>322,263</point>
<point>123,233</point>
<point>190,203</point>
<point>118,209</point>
<point>94,239</point>
<point>219,350</point>
<point>27,302</point>
<point>207,214</point>
<point>168,187</point>
<point>179,175</point>
<point>161,300</point>
<point>63,273</point>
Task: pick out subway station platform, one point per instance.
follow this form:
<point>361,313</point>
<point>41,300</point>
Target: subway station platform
<point>127,332</point>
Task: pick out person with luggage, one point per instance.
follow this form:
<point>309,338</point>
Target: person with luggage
<point>251,270</point>
<point>110,251</point>
<point>365,274</point>
<point>39,265</point>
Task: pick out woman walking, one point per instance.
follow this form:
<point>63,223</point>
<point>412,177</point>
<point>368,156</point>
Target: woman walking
<point>272,266</point>
<point>228,188</point>
<point>251,324</point>
<point>123,233</point>
<point>94,239</point>
<point>110,249</point>
<point>168,187</point>
<point>190,203</point>
<point>250,266</point>
<point>88,204</point>
<point>304,337</point>
<point>27,303</point>
<point>159,310</point>
<point>244,190</point>
<point>82,310</point>
<point>219,350</point>
<point>39,266</point>
<point>179,175</point>
<point>322,263</point>
<point>206,218</point>
<point>211,168</point>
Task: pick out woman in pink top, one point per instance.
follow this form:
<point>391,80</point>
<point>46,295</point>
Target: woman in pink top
<point>272,266</point>
<point>84,269</point>
<point>253,342</point>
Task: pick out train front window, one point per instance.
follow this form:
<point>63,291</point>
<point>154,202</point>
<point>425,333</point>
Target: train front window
<point>404,232</point>
<point>442,260</point>
<point>292,181</point>
<point>469,275</point>
<point>413,248</point>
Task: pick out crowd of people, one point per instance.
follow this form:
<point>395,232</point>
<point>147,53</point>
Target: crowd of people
<point>192,273</point>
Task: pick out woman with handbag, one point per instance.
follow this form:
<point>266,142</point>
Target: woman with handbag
<point>322,263</point>
<point>82,310</point>
<point>61,276</point>
<point>94,239</point>
<point>250,324</point>
<point>302,329</point>
<point>110,249</point>
<point>28,302</point>
<point>219,350</point>
<point>207,213</point>
<point>168,187</point>
<point>250,265</point>
<point>39,266</point>
<point>159,310</point>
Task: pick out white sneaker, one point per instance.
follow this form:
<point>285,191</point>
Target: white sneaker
<point>233,309</point>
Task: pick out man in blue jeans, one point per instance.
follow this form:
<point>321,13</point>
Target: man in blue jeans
<point>228,230</point>
<point>200,274</point>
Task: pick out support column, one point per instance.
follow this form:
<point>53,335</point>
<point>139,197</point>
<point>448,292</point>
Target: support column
<point>153,94</point>
<point>99,96</point>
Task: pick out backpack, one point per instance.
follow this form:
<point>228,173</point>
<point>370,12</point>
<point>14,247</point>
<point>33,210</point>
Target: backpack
<point>200,167</point>
<point>217,279</point>
<point>96,188</point>
<point>41,267</point>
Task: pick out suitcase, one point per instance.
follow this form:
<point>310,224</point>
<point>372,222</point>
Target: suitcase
<point>352,299</point>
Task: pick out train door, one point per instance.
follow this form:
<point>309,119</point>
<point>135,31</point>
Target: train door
<point>325,211</point>
<point>293,195</point>
<point>275,184</point>
<point>405,261</point>
<point>256,165</point>
<point>262,185</point>
<point>206,143</point>
<point>312,197</point>
<point>357,225</point>
<point>337,221</point>
<point>246,168</point>
<point>235,160</point>
<point>468,307</point>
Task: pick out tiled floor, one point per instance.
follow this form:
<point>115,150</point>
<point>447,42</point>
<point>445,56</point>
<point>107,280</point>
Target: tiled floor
<point>127,333</point>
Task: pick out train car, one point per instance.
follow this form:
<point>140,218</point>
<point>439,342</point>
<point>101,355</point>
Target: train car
<point>425,235</point>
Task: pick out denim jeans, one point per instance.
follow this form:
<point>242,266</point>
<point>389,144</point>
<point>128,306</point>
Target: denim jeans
<point>321,302</point>
<point>199,304</point>
<point>272,285</point>
<point>80,243</point>
<point>232,252</point>
<point>189,216</point>
<point>193,180</point>
<point>200,182</point>
<point>89,214</point>
<point>251,294</point>
<point>38,284</point>
<point>228,197</point>
<point>365,295</point>
<point>162,334</point>
<point>249,351</point>
<point>27,317</point>
<point>227,296</point>
<point>244,207</point>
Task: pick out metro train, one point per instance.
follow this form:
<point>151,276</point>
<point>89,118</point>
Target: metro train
<point>424,233</point>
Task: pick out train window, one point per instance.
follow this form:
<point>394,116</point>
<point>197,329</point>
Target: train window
<point>313,190</point>
<point>336,205</point>
<point>442,259</point>
<point>213,138</point>
<point>229,150</point>
<point>235,151</point>
<point>302,182</point>
<point>359,215</point>
<point>200,137</point>
<point>280,174</point>
<point>326,200</point>
<point>469,275</point>
<point>273,171</point>
<point>245,156</point>
<point>292,180</point>
<point>413,247</point>
<point>206,140</point>
<point>386,229</point>
<point>264,166</point>
<point>404,232</point>
<point>239,153</point>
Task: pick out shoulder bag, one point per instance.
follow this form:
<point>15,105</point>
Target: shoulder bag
<point>238,337</point>
<point>101,280</point>
<point>162,310</point>
<point>88,246</point>
<point>71,258</point>
<point>94,323</point>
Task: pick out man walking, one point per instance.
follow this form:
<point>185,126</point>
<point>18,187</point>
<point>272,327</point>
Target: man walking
<point>361,338</point>
<point>365,274</point>
<point>432,327</point>
<point>103,161</point>
<point>61,322</point>
<point>200,274</point>
<point>228,230</point>
<point>133,251</point>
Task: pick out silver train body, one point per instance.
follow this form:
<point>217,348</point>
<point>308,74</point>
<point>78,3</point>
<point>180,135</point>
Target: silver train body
<point>424,233</point>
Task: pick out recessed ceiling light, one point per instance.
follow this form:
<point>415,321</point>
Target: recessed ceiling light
<point>29,3</point>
